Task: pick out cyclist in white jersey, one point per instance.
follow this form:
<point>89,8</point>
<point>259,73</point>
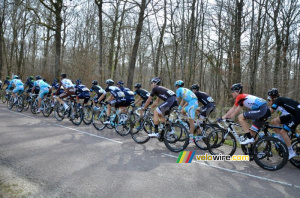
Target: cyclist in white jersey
<point>69,88</point>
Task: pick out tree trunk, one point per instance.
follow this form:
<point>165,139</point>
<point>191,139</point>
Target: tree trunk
<point>99,4</point>
<point>136,44</point>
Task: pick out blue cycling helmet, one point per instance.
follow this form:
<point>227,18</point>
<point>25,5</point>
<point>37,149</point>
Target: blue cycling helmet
<point>78,82</point>
<point>120,83</point>
<point>179,83</point>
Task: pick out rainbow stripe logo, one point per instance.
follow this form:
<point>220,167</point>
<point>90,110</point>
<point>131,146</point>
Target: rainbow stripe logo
<point>185,157</point>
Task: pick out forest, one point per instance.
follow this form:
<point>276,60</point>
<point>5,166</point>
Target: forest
<point>214,43</point>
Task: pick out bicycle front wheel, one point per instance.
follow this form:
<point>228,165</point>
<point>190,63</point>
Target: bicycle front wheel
<point>123,125</point>
<point>87,114</point>
<point>140,130</point>
<point>59,112</point>
<point>219,142</point>
<point>296,147</point>
<point>20,105</point>
<point>47,108</point>
<point>176,138</point>
<point>270,153</point>
<point>77,115</point>
<point>98,118</point>
<point>202,133</point>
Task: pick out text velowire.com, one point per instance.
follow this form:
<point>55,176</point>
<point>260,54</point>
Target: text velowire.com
<point>221,157</point>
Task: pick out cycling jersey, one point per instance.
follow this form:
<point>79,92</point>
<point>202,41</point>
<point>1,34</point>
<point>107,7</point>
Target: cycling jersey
<point>249,101</point>
<point>115,91</point>
<point>129,95</point>
<point>81,88</point>
<point>204,98</point>
<point>67,83</point>
<point>162,92</point>
<point>98,90</point>
<point>186,94</point>
<point>6,82</point>
<point>41,84</point>
<point>281,111</point>
<point>17,83</point>
<point>291,106</point>
<point>143,93</point>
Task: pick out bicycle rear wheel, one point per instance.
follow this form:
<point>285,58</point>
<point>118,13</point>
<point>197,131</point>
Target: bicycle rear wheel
<point>47,108</point>
<point>10,103</point>
<point>3,97</point>
<point>98,118</point>
<point>219,142</point>
<point>176,138</point>
<point>122,126</point>
<point>202,133</point>
<point>77,115</point>
<point>296,147</point>
<point>270,153</point>
<point>87,114</point>
<point>34,106</point>
<point>26,103</point>
<point>20,103</point>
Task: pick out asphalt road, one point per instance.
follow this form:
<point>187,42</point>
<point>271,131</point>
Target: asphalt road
<point>60,159</point>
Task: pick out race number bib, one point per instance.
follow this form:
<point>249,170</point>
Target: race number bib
<point>121,94</point>
<point>170,92</point>
<point>210,99</point>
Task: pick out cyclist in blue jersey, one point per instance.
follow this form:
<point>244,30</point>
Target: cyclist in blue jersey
<point>44,89</point>
<point>188,104</point>
<point>18,86</point>
<point>82,92</point>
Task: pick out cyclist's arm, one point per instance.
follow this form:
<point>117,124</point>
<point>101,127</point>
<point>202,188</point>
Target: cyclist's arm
<point>156,103</point>
<point>232,112</point>
<point>110,98</point>
<point>148,102</point>
<point>272,110</point>
<point>32,90</point>
<point>138,100</point>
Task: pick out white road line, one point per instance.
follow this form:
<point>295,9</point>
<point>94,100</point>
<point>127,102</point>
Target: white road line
<point>241,173</point>
<point>89,134</point>
<point>18,113</point>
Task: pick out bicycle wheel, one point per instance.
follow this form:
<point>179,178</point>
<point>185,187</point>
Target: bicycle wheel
<point>34,106</point>
<point>26,103</point>
<point>59,112</point>
<point>47,108</point>
<point>87,114</point>
<point>296,147</point>
<point>202,133</point>
<point>3,97</point>
<point>219,142</point>
<point>10,103</point>
<point>98,118</point>
<point>176,138</point>
<point>140,130</point>
<point>77,115</point>
<point>20,103</point>
<point>122,126</point>
<point>270,153</point>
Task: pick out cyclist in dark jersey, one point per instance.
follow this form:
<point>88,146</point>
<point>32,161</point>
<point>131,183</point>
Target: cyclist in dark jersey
<point>129,95</point>
<point>259,112</point>
<point>291,106</point>
<point>169,98</point>
<point>81,92</point>
<point>142,93</point>
<point>116,98</point>
<point>206,100</point>
<point>99,91</point>
<point>7,82</point>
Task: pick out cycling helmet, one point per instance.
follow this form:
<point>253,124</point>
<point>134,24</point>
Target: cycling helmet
<point>110,82</point>
<point>120,83</point>
<point>78,82</point>
<point>195,86</point>
<point>273,92</point>
<point>28,79</point>
<point>137,85</point>
<point>179,83</point>
<point>63,75</point>
<point>44,79</point>
<point>7,77</point>
<point>15,77</point>
<point>95,82</point>
<point>38,77</point>
<point>156,80</point>
<point>237,87</point>
<point>31,78</point>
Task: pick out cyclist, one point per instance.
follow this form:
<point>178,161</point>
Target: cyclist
<point>129,97</point>
<point>82,92</point>
<point>188,104</point>
<point>7,81</point>
<point>18,86</point>
<point>206,100</point>
<point>116,98</point>
<point>259,112</point>
<point>44,89</point>
<point>289,122</point>
<point>169,98</point>
<point>69,89</point>
<point>54,87</point>
<point>99,91</point>
<point>142,93</point>
<point>30,84</point>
